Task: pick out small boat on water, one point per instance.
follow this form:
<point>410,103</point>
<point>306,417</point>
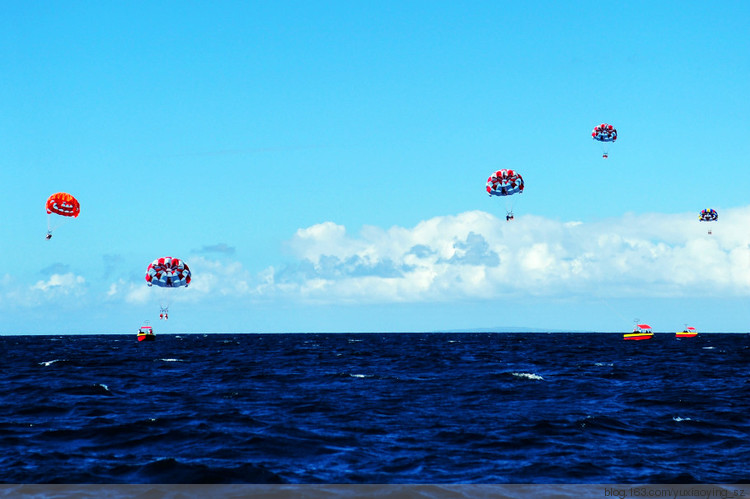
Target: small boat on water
<point>146,333</point>
<point>640,332</point>
<point>688,332</point>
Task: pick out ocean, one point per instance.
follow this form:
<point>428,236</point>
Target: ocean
<point>398,408</point>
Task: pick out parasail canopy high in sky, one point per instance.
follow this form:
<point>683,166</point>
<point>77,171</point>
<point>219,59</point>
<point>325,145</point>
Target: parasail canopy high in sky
<point>505,183</point>
<point>708,215</point>
<point>168,272</point>
<point>605,134</point>
<point>61,204</point>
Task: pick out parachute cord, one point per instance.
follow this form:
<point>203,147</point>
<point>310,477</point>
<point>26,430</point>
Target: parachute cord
<point>50,226</point>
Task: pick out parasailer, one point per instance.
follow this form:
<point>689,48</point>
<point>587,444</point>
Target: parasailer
<point>168,272</point>
<point>60,204</point>
<point>708,215</point>
<point>505,183</point>
<point>605,134</point>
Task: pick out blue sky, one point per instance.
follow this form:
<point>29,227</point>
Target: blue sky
<point>321,165</point>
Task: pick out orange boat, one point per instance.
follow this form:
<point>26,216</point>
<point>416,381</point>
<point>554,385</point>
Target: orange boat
<point>145,333</point>
<point>688,332</point>
<point>640,332</point>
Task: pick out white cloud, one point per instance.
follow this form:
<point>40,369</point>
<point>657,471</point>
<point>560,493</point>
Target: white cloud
<point>472,255</point>
<point>219,278</point>
<point>137,294</point>
<point>61,284</point>
<point>127,291</point>
<point>66,289</point>
<point>475,254</point>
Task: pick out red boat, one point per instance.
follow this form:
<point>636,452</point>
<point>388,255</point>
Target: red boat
<point>145,333</point>
<point>640,332</point>
<point>688,332</point>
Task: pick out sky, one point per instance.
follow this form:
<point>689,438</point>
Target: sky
<point>321,166</point>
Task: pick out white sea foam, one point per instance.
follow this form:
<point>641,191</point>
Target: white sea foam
<point>171,360</point>
<point>678,418</point>
<point>362,375</point>
<point>49,362</point>
<point>528,376</point>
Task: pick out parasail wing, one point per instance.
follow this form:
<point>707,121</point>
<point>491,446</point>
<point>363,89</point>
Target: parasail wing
<point>604,133</point>
<point>505,183</point>
<point>168,272</point>
<point>63,204</point>
<point>708,215</point>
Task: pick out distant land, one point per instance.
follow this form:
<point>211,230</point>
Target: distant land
<point>510,330</point>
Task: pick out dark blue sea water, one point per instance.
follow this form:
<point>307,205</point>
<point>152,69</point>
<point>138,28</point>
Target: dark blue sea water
<point>375,408</point>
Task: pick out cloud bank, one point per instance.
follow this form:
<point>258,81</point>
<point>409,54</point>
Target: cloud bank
<point>68,289</point>
<point>477,255</point>
<point>470,256</point>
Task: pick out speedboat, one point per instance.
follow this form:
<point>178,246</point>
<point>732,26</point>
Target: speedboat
<point>146,333</point>
<point>640,332</point>
<point>688,332</point>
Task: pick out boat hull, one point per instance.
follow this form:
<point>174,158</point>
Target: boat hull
<point>146,337</point>
<point>685,335</point>
<point>638,336</point>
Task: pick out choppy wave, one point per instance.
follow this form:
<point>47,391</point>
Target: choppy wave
<point>48,363</point>
<point>528,376</point>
